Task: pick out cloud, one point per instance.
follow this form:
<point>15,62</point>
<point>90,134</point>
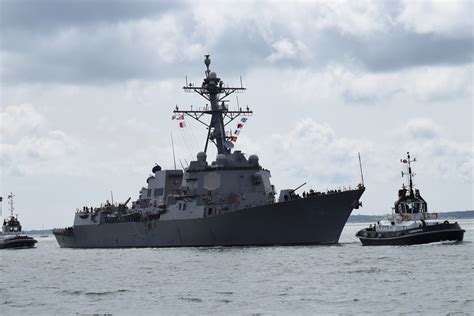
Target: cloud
<point>46,15</point>
<point>352,86</point>
<point>422,129</point>
<point>322,156</point>
<point>30,146</point>
<point>105,53</point>
<point>286,50</point>
<point>148,41</point>
<point>442,157</point>
<point>443,18</point>
<point>424,84</point>
<point>358,18</point>
<point>17,121</point>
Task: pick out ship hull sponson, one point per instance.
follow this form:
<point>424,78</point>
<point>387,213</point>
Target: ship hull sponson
<point>314,220</point>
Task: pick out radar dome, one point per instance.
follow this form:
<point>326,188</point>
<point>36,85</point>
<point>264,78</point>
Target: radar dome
<point>221,159</point>
<point>253,160</point>
<point>201,156</point>
<point>213,75</point>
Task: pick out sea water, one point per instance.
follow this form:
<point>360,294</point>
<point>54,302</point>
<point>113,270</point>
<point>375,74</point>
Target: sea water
<point>347,278</point>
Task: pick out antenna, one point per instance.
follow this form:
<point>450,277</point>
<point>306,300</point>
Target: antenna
<point>215,92</point>
<point>112,197</point>
<point>361,174</point>
<point>410,173</point>
<point>174,156</point>
<point>207,62</point>
<point>181,164</point>
<point>10,201</point>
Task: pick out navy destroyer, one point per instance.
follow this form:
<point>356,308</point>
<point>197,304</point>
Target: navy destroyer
<point>226,202</point>
<point>410,222</point>
<point>11,235</point>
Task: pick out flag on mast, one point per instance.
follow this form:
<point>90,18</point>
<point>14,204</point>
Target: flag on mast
<point>237,131</point>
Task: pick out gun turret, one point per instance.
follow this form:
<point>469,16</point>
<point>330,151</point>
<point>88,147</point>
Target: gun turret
<point>294,190</point>
<point>123,206</point>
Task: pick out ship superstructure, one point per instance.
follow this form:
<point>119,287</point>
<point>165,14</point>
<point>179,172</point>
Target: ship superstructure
<point>228,201</point>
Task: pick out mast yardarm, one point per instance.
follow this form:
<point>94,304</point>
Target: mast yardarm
<point>214,91</point>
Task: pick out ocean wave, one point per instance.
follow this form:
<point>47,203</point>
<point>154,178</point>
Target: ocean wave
<point>93,293</point>
<point>106,292</point>
<point>191,299</point>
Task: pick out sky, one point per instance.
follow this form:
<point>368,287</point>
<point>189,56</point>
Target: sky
<point>88,88</point>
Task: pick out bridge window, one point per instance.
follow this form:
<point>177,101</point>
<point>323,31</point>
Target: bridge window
<point>158,192</point>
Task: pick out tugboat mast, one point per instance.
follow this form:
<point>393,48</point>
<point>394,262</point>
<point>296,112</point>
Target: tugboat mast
<point>410,173</point>
<point>10,201</point>
<point>213,90</point>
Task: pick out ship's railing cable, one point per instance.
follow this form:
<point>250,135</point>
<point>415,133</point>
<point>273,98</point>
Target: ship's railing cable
<point>185,142</point>
<point>192,139</point>
<point>193,136</point>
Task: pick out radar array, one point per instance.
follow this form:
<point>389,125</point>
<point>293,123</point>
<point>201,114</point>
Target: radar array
<point>214,91</point>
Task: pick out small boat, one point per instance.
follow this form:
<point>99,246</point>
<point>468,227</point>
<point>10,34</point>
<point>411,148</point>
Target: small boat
<point>11,235</point>
<point>410,222</point>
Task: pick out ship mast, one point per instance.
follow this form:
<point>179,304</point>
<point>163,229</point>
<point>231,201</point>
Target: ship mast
<point>408,161</point>
<point>214,91</point>
<point>10,201</point>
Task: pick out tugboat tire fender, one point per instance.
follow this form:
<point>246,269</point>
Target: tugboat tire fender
<point>446,222</point>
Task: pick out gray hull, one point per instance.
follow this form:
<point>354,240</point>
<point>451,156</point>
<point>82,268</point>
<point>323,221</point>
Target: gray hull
<point>314,220</point>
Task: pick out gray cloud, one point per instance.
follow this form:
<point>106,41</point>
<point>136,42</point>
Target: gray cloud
<point>402,49</point>
<point>44,15</point>
<point>105,41</point>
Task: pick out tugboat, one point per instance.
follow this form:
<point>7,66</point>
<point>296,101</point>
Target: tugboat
<point>11,236</point>
<point>410,222</point>
<point>229,201</point>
